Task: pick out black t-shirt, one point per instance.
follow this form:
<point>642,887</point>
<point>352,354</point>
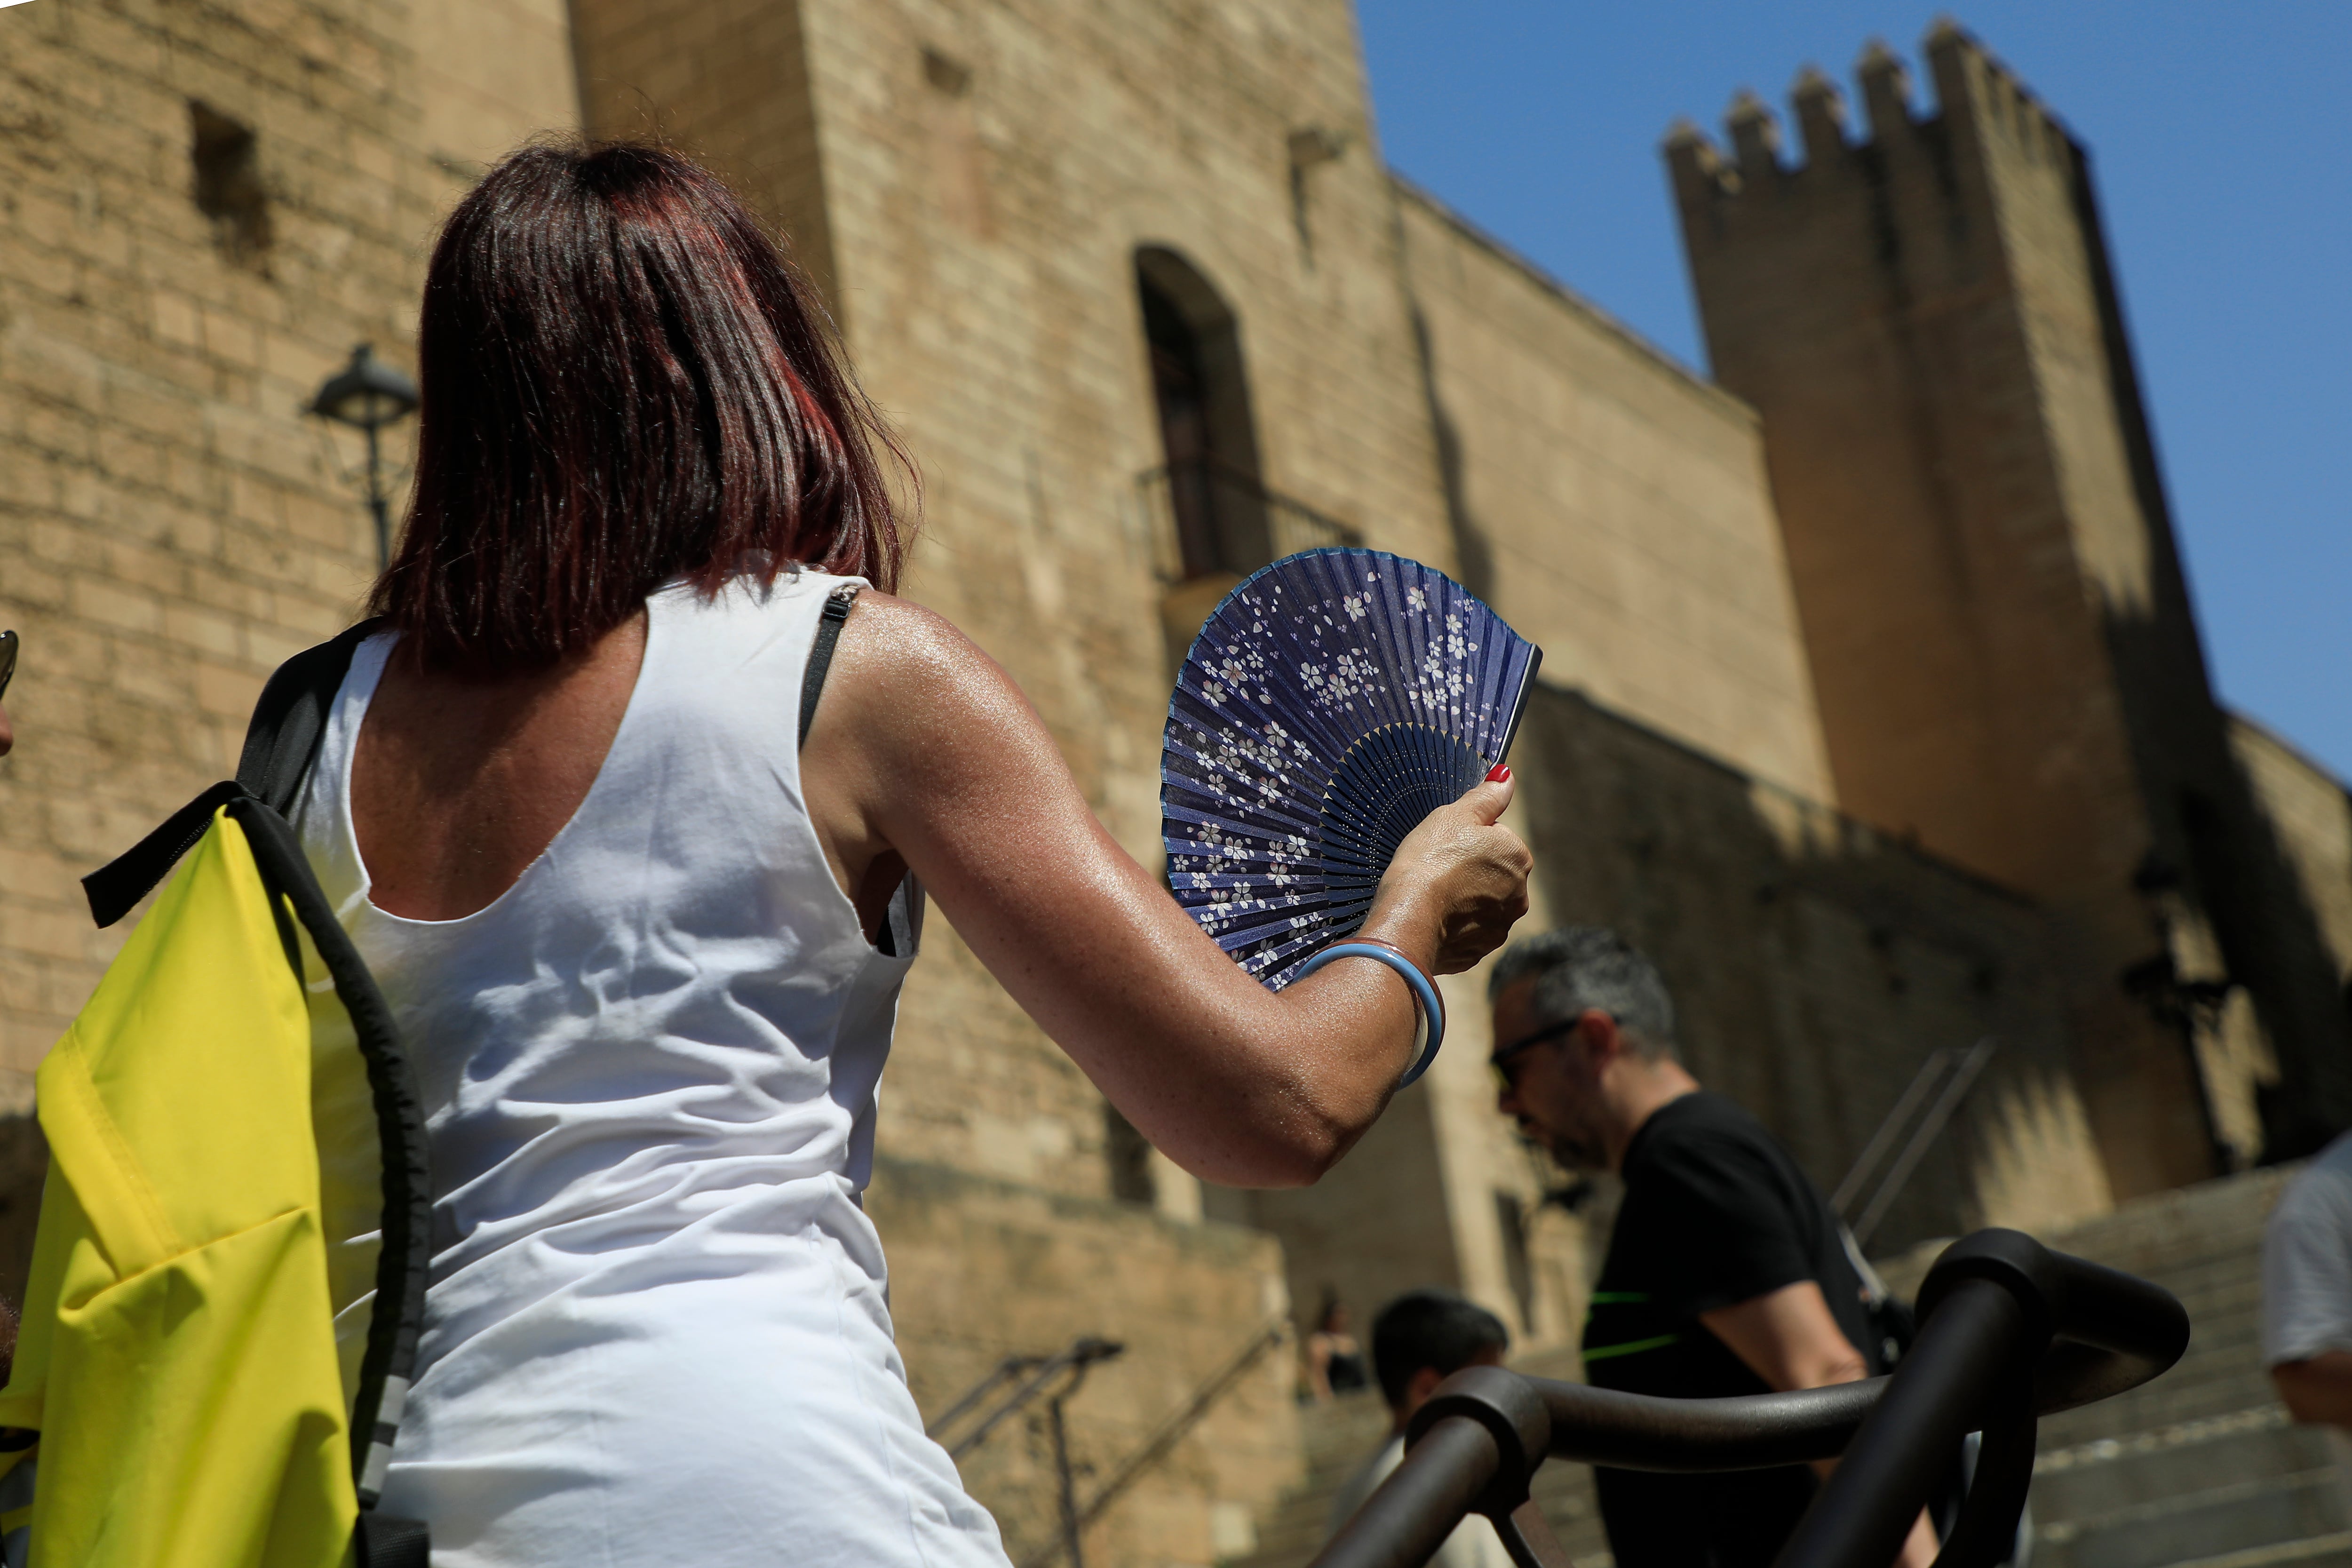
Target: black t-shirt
<point>1714,1213</point>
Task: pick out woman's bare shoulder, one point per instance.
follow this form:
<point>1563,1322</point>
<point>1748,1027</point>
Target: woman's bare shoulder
<point>901,624</point>
<point>896,643</point>
<point>910,676</point>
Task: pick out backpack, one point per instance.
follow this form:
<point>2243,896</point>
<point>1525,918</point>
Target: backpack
<point>177,1395</point>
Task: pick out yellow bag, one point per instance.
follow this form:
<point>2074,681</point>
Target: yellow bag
<point>176,1396</point>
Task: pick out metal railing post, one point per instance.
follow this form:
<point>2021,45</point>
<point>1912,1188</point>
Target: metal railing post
<point>1907,1445</point>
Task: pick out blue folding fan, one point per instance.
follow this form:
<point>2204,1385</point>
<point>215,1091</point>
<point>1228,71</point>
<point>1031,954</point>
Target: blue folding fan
<point>1329,703</point>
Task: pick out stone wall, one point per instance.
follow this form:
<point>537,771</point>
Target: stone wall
<point>2006,660</point>
<point>1613,505</point>
<point>980,1269</point>
<point>202,208</point>
<point>1816,964</point>
<point>171,524</point>
<point>726,79</point>
<point>2313,814</point>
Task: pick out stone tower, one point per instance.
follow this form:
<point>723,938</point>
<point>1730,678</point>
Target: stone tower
<point>2000,637</point>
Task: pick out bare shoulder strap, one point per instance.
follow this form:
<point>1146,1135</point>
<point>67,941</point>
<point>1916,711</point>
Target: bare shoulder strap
<point>828,632</point>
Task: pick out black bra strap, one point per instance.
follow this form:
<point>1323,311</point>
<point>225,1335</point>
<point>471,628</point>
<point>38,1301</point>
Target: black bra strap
<point>828,632</point>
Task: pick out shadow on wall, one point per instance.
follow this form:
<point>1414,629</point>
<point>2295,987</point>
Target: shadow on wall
<point>1815,965</point>
<point>2217,840</point>
<point>1470,546</point>
<point>2234,862</point>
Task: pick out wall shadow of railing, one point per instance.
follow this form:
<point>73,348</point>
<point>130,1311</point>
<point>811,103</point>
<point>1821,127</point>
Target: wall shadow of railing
<point>1018,1381</point>
<point>1208,517</point>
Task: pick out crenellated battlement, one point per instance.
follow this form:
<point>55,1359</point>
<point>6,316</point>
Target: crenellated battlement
<point>1975,93</point>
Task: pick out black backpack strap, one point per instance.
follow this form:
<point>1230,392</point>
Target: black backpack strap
<point>115,889</point>
<point>404,1256</point>
<point>384,1541</point>
<point>290,719</point>
<point>279,745</point>
<point>828,632</point>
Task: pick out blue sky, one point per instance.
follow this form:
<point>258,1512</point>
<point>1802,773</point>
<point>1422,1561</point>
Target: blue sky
<point>2216,134</point>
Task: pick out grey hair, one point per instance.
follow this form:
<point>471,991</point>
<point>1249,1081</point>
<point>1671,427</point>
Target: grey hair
<point>1580,967</point>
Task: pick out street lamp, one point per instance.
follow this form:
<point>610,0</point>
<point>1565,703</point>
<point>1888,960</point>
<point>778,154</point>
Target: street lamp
<point>368,394</point>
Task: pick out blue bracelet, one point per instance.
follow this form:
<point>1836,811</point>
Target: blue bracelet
<point>1424,995</point>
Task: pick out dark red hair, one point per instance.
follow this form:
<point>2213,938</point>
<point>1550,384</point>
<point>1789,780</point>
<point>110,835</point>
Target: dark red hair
<point>624,381</point>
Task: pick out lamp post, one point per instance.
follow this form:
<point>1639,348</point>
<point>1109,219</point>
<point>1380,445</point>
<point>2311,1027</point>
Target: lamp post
<point>368,394</point>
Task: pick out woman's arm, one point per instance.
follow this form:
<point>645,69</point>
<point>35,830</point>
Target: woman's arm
<point>924,750</point>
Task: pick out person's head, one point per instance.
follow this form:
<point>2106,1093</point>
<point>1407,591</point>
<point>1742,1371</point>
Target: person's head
<point>8,735</point>
<point>1584,1042</point>
<point>1424,1337</point>
<point>623,381</point>
<point>1333,1317</point>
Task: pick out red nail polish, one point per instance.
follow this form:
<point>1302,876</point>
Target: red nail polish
<point>1499,773</point>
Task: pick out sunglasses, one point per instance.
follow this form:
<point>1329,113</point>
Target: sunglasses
<point>1505,1076</point>
<point>7,660</point>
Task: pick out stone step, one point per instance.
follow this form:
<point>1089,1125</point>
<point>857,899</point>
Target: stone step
<point>2231,1290</point>
<point>2223,1207</point>
<point>2213,1521</point>
<point>2113,1474</point>
<point>2167,1402</point>
<point>2188,1261</point>
<point>2318,1551</point>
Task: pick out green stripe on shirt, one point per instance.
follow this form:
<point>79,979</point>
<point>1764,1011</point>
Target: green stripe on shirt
<point>1602,1352</point>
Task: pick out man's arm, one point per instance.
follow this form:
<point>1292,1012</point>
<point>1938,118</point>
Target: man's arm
<point>1788,1339</point>
<point>2318,1389</point>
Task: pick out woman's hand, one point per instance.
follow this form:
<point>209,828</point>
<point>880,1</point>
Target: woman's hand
<point>1458,883</point>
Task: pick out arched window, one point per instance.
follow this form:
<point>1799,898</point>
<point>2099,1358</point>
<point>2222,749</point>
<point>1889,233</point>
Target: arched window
<point>1215,498</point>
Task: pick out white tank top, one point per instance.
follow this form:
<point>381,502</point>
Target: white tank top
<point>655,1332</point>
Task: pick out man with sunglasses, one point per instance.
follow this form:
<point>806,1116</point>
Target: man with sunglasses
<point>1726,1272</point>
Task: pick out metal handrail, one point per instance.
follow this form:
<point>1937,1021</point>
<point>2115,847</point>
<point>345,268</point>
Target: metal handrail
<point>1930,1072</point>
<point>1964,1069</point>
<point>2009,1332</point>
<point>1963,1079</point>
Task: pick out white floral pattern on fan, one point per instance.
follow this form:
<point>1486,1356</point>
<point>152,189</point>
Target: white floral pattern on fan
<point>1329,703</point>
